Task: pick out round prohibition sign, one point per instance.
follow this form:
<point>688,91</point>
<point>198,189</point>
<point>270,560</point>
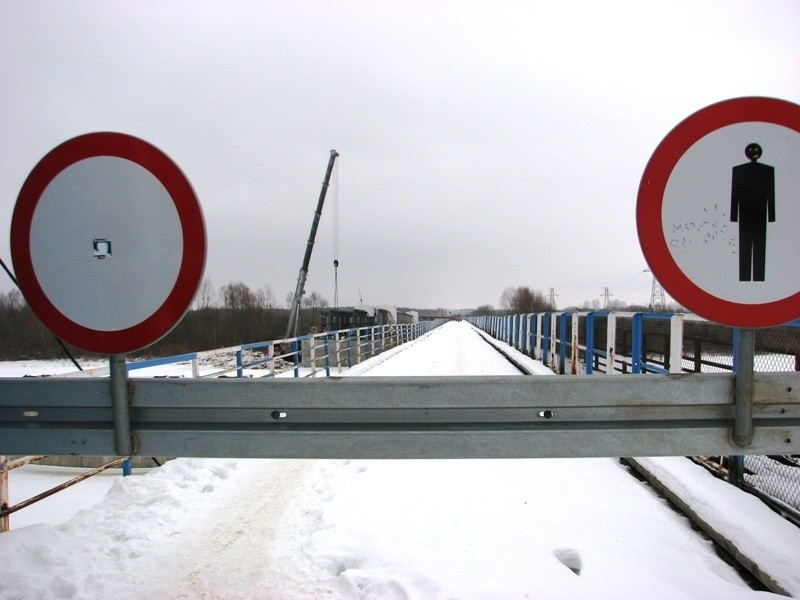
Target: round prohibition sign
<point>690,219</point>
<point>108,242</point>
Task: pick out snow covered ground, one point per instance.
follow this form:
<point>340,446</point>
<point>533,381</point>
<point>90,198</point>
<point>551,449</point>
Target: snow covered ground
<point>434,529</point>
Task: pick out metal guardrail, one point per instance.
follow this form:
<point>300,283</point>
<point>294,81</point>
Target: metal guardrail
<point>320,417</point>
<point>401,417</point>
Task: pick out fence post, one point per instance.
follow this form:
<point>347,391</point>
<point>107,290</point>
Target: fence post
<point>589,343</point>
<point>637,333</point>
<point>562,345</point>
<point>611,343</point>
<point>526,335</point>
<point>312,353</point>
<point>575,342</point>
<point>239,363</point>
<point>327,361</point>
<point>698,354</point>
<point>514,325</point>
<point>271,358</point>
<point>349,348</point>
<point>676,343</point>
<point>545,328</point>
<point>5,520</point>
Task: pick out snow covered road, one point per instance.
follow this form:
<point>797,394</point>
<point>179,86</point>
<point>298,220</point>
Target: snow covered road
<point>434,529</point>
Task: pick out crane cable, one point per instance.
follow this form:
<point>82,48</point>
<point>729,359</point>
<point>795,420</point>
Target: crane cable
<point>336,236</point>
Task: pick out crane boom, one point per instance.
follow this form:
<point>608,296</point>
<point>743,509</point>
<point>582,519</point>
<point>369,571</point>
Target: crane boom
<point>291,329</point>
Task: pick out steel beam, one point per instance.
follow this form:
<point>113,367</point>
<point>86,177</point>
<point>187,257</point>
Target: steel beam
<point>403,417</point>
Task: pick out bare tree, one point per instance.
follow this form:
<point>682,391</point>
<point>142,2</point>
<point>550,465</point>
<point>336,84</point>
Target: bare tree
<point>205,296</point>
<point>507,299</point>
<point>314,300</point>
<point>239,296</point>
<point>483,310</point>
<point>268,296</point>
<point>524,300</point>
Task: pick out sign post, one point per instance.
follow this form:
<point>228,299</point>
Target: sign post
<point>718,219</point>
<point>109,244</point>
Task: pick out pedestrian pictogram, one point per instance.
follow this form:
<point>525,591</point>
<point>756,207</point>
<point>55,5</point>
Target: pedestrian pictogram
<point>752,206</point>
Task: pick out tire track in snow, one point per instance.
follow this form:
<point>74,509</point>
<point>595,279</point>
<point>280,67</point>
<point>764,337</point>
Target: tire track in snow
<point>241,526</point>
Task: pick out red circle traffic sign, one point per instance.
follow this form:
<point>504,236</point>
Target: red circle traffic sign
<point>108,242</point>
<point>727,268</point>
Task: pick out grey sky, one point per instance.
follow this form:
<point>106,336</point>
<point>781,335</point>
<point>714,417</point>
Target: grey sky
<point>483,144</point>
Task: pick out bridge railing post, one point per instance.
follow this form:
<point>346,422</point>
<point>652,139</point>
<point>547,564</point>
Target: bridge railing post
<point>637,332</point>
<point>575,354</point>
<point>589,355</point>
<point>611,343</point>
<point>562,347</point>
<point>676,343</point>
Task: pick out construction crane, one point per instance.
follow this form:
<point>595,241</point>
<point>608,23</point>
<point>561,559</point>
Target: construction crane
<point>294,313</point>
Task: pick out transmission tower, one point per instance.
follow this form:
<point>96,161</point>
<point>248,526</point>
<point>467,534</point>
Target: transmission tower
<point>605,295</point>
<point>658,300</point>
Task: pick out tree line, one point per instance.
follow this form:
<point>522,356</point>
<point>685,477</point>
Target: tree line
<point>517,300</point>
<point>228,316</point>
<point>523,299</point>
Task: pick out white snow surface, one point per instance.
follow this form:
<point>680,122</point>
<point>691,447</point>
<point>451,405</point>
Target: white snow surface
<point>382,529</point>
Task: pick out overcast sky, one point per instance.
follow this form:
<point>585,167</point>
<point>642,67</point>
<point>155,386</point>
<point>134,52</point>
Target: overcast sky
<point>483,144</point>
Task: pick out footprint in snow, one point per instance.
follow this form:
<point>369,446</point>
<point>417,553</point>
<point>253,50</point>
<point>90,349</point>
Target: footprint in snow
<point>570,558</point>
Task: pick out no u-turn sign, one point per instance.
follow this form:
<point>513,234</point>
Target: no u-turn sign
<point>718,212</point>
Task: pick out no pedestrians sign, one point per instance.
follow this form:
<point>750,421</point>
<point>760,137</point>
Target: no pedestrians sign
<point>718,212</point>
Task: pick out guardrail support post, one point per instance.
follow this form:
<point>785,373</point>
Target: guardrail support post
<point>123,443</point>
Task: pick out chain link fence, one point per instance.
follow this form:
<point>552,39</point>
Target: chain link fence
<point>572,343</point>
<point>708,348</point>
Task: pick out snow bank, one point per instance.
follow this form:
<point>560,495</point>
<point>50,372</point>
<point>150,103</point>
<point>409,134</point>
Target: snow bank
<point>770,542</point>
<point>427,529</point>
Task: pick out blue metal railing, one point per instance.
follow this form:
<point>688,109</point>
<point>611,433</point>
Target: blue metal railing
<point>595,341</point>
<point>311,355</point>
